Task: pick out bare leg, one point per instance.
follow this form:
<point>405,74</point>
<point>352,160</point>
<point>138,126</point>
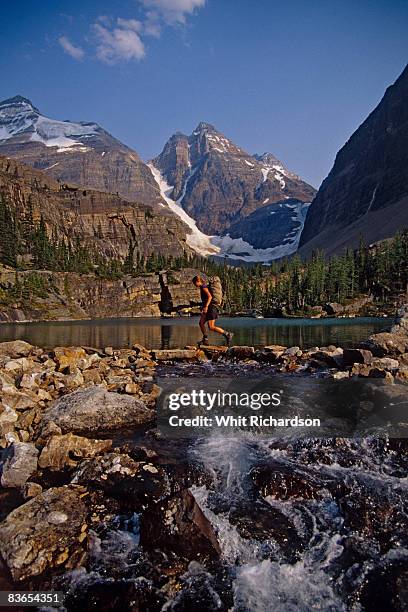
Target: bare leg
<point>214,328</point>
<point>202,324</point>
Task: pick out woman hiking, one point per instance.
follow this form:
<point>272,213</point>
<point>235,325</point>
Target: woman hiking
<point>211,299</point>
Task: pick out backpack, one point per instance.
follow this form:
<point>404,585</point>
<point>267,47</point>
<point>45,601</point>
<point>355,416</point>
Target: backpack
<point>215,288</point>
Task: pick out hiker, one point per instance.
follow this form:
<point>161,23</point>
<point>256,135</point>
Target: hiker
<point>211,299</point>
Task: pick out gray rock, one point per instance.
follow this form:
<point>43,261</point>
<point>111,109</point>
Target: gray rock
<point>20,464</point>
<point>45,532</point>
<point>95,410</point>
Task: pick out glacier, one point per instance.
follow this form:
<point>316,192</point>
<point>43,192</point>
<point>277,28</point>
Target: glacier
<point>225,246</point>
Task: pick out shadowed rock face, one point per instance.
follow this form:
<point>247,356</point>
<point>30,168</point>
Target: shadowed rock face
<point>104,220</point>
<point>219,184</point>
<point>366,192</point>
<point>75,152</point>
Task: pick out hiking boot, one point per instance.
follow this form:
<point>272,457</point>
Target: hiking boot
<point>228,336</point>
<point>203,342</point>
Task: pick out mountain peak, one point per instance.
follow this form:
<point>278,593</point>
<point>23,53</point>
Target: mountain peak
<point>18,101</point>
<point>205,127</point>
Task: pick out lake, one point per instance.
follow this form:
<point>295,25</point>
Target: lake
<point>175,333</point>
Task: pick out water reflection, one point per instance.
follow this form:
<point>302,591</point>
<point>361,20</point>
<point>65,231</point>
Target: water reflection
<point>173,333</point>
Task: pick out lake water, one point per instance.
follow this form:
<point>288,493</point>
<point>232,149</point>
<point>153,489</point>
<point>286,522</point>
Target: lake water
<point>175,333</point>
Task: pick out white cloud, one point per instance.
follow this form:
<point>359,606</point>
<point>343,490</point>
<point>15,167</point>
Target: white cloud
<point>171,11</point>
<point>120,41</point>
<point>75,52</point>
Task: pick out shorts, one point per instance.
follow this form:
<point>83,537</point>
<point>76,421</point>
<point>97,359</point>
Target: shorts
<point>212,313</point>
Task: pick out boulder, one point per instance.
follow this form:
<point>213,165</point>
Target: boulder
<point>67,450</point>
<point>241,352</point>
<point>387,363</point>
<point>175,355</point>
<point>357,355</point>
<point>68,357</point>
<point>124,478</point>
<point>31,489</point>
<point>8,418</point>
<point>333,358</point>
<point>15,348</point>
<point>333,309</point>
<point>386,343</point>
<point>21,364</point>
<point>292,351</point>
<point>45,532</point>
<point>276,349</point>
<point>20,463</point>
<point>95,410</point>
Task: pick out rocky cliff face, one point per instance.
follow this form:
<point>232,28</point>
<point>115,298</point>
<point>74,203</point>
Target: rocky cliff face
<point>220,185</point>
<point>74,152</point>
<point>80,296</point>
<point>101,219</point>
<point>366,192</point>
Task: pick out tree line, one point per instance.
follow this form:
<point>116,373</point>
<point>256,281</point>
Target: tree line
<point>295,285</point>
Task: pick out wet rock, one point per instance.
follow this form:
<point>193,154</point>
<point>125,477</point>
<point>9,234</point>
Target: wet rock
<point>45,532</point>
<point>199,591</point>
<point>179,525</point>
<point>95,592</point>
<point>260,521</point>
<point>95,410</point>
<point>213,352</point>
<point>340,375</point>
<point>67,450</point>
<point>384,587</point>
<point>16,348</point>
<point>20,463</point>
<point>175,355</point>
<point>240,352</point>
<point>281,483</point>
<point>351,356</point>
<point>119,475</point>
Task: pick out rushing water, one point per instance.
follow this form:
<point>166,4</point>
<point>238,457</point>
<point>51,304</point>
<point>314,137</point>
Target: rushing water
<point>175,333</point>
<point>302,524</point>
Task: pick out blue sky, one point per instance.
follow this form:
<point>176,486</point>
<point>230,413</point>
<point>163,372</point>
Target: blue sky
<point>295,78</point>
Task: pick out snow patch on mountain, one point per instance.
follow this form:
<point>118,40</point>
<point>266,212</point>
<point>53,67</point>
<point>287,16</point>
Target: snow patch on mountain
<point>197,240</point>
<point>19,117</point>
<point>225,246</point>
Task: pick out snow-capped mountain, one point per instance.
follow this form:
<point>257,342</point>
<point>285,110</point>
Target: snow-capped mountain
<point>240,202</point>
<point>232,203</point>
<point>81,153</point>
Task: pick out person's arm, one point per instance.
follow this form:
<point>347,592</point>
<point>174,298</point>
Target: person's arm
<point>209,298</point>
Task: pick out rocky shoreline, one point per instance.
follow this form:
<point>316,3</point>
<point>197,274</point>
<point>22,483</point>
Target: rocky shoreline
<point>66,481</point>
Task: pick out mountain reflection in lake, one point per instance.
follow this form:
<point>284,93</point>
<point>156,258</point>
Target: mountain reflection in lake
<point>174,333</point>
